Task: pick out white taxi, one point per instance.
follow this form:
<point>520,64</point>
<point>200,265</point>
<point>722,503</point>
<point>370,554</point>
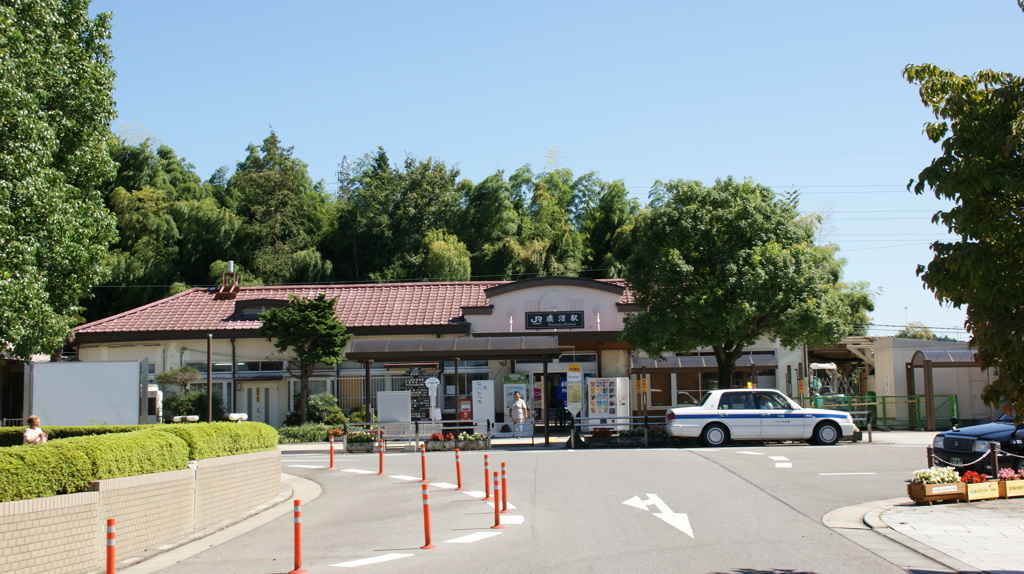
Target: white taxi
<point>756,414</point>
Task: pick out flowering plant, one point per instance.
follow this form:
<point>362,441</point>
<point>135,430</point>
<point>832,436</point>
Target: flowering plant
<point>361,436</point>
<point>439,436</point>
<point>971,477</point>
<point>936,475</point>
<point>1009,474</point>
<point>601,431</point>
<point>336,432</point>
<point>468,436</point>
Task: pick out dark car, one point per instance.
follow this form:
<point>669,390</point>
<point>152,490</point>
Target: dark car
<point>968,448</point>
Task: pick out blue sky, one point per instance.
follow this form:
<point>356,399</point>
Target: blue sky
<point>793,94</point>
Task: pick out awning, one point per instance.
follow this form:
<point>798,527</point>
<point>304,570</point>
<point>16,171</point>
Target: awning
<point>946,358</point>
<point>704,363</point>
<point>452,349</point>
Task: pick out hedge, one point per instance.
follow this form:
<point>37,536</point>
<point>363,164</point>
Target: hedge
<point>67,465</point>
<point>210,440</point>
<point>11,436</point>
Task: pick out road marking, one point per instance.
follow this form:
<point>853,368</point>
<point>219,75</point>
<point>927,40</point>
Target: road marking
<point>845,473</point>
<point>677,520</point>
<point>405,477</point>
<point>783,465</point>
<point>475,537</point>
<point>778,458</point>
<point>512,518</point>
<point>374,560</point>
<point>443,485</point>
<point>359,471</point>
<point>749,452</point>
<point>491,504</point>
<point>305,466</point>
<point>474,493</point>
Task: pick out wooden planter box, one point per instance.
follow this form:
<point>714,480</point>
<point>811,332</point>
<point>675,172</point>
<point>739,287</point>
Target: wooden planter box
<point>1011,488</point>
<point>983,490</point>
<point>929,493</point>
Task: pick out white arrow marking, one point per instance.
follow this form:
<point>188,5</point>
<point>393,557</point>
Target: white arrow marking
<point>677,520</point>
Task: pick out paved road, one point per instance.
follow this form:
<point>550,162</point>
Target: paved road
<point>755,509</point>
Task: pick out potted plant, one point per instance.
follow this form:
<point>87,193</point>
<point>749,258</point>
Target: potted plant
<point>472,441</point>
<point>360,441</point>
<point>438,441</point>
<point>979,487</point>
<point>1011,484</point>
<point>936,484</point>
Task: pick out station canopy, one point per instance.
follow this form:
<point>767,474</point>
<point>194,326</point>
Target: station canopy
<point>699,363</point>
<point>454,349</point>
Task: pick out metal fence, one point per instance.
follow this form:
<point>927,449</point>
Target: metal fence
<point>890,412</point>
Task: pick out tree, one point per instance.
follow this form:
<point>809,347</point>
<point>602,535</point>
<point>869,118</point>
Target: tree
<point>605,226</point>
<point>914,330</point>
<point>283,214</point>
<point>981,170</point>
<point>180,377</point>
<point>722,266</point>
<point>56,102</point>
<point>445,257</point>
<point>314,334</point>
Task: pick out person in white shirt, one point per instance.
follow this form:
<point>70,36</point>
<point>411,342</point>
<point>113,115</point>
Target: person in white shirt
<point>519,412</point>
<point>33,434</point>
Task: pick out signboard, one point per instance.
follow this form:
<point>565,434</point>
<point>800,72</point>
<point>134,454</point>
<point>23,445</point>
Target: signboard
<point>555,320</point>
<point>574,374</point>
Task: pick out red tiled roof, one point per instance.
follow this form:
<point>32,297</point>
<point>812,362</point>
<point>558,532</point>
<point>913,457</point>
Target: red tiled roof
<point>361,305</point>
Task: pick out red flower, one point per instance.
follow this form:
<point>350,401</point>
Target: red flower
<point>971,477</point>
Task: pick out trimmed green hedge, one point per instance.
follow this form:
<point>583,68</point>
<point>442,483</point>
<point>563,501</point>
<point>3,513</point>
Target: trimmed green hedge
<point>128,454</point>
<point>67,465</point>
<point>210,440</point>
<point>37,471</point>
<point>11,436</point>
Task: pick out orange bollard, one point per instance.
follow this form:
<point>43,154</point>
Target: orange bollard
<point>497,507</point>
<point>504,490</point>
<point>380,449</point>
<point>426,519</point>
<point>487,478</point>
<point>458,469</point>
<point>331,467</point>
<point>298,539</point>
<point>111,547</point>
<point>423,462</point>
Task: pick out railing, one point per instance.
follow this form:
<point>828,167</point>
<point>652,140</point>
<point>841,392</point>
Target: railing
<point>890,412</point>
<point>12,422</point>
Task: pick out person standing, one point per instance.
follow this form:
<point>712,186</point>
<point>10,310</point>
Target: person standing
<point>519,412</point>
<point>33,434</point>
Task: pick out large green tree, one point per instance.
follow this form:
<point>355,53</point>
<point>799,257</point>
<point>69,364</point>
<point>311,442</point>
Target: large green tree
<point>283,215</point>
<point>310,330</point>
<point>980,124</point>
<point>56,103</point>
<point>722,266</point>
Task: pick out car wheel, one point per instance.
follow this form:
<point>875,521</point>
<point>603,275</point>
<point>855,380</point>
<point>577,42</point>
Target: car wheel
<point>826,434</point>
<point>714,435</point>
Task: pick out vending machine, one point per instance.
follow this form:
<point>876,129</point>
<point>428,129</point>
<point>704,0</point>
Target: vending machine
<point>607,403</point>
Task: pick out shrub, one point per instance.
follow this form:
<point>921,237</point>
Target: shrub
<point>309,432</point>
<point>210,440</point>
<point>128,454</point>
<point>32,471</point>
<point>192,404</point>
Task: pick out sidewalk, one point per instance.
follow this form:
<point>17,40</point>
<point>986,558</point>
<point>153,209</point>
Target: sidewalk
<point>983,536</point>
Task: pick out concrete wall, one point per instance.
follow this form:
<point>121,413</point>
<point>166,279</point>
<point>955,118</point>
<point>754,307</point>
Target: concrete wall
<point>67,533</point>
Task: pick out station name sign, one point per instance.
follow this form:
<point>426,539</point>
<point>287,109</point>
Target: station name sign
<point>555,320</point>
